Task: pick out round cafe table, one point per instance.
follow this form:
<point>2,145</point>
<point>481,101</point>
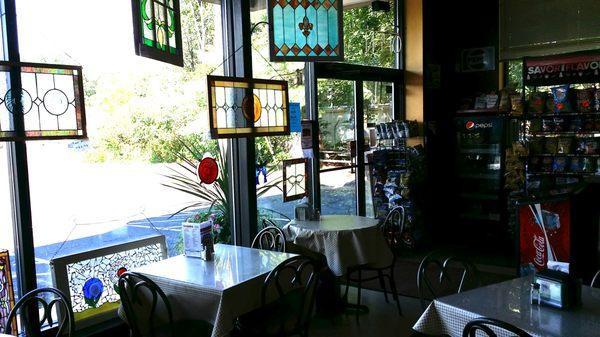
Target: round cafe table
<point>345,240</point>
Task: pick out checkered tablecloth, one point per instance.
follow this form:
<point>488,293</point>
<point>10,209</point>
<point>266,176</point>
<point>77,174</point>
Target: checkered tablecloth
<point>509,302</point>
<point>345,240</point>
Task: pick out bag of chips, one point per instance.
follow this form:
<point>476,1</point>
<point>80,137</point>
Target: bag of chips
<point>576,164</point>
<point>597,99</point>
<point>560,163</point>
<point>547,164</point>
<point>564,145</point>
<point>537,103</point>
<point>551,145</point>
<point>516,103</point>
<point>561,99</point>
<point>504,104</point>
<point>585,99</point>
<point>549,104</point>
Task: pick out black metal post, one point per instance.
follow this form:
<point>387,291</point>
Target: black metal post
<point>312,113</point>
<point>24,243</point>
<point>242,150</point>
<point>359,136</point>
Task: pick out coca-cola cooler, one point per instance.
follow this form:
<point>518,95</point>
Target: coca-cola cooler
<point>559,230</point>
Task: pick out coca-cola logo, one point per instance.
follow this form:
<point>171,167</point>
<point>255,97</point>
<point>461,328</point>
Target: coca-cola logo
<point>539,243</point>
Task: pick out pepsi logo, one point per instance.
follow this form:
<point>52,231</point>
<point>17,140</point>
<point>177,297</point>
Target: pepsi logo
<point>470,125</point>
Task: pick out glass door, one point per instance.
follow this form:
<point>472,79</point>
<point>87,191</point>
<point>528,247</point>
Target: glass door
<point>337,146</point>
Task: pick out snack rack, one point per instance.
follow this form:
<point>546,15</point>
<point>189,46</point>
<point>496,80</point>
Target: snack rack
<point>563,144</point>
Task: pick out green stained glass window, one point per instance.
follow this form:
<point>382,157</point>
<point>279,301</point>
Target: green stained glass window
<point>157,30</point>
<point>306,30</point>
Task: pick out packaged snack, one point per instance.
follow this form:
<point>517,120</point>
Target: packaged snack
<point>560,163</point>
<point>588,165</point>
<point>559,124</point>
<point>516,102</point>
<point>536,146</point>
<point>491,101</point>
<point>537,103</point>
<point>576,125</point>
<point>535,164</point>
<point>585,99</point>
<point>591,146</point>
<point>580,147</point>
<point>564,145</point>
<point>551,145</point>
<point>589,124</point>
<point>547,125</point>
<point>547,164</point>
<point>535,125</point>
<point>504,104</point>
<point>597,100</point>
<point>561,99</point>
<point>576,164</point>
<point>480,102</point>
<point>549,104</point>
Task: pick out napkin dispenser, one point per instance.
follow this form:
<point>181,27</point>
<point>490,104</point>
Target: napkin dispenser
<point>558,289</point>
<point>304,211</point>
<point>198,240</point>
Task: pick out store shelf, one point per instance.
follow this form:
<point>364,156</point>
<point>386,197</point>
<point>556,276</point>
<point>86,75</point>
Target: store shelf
<point>478,111</point>
<point>568,155</point>
<point>565,114</point>
<point>480,196</point>
<point>583,134</point>
<point>480,151</point>
<point>576,174</point>
<point>487,176</point>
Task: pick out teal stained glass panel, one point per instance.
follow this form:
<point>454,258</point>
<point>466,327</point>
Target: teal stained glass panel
<point>306,30</point>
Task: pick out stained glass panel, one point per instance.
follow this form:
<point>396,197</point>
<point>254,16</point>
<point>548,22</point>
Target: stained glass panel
<point>52,99</point>
<point>294,179</point>
<point>306,30</point>
<point>7,297</point>
<point>157,30</point>
<point>247,107</point>
<point>89,279</point>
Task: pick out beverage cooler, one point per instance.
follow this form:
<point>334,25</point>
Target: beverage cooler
<point>560,232</point>
<point>480,203</point>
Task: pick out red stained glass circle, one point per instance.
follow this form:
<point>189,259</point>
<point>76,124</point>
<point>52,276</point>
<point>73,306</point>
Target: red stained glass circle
<point>121,271</point>
<point>208,170</point>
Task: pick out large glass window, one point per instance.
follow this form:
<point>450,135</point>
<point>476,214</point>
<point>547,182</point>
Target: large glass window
<point>272,151</point>
<point>8,267</point>
<point>144,118</point>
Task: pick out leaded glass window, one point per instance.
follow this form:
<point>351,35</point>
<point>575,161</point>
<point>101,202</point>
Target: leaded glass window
<point>7,297</point>
<point>306,30</point>
<point>294,179</point>
<point>241,107</point>
<point>51,99</point>
<point>157,30</point>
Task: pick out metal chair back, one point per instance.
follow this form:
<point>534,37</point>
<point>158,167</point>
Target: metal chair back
<point>270,238</point>
<point>28,308</point>
<point>297,275</point>
<point>393,227</point>
<point>596,280</point>
<point>140,298</point>
<point>440,280</point>
<point>476,327</point>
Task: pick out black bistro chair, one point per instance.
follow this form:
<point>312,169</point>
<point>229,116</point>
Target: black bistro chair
<point>483,325</point>
<point>443,273</point>
<point>270,238</point>
<point>596,280</point>
<point>143,302</point>
<point>287,301</point>
<point>50,301</point>
<point>392,229</point>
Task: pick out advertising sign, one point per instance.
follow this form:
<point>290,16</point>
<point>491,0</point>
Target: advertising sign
<point>574,68</point>
<point>544,234</point>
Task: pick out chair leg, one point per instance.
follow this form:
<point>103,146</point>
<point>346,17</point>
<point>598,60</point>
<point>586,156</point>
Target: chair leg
<point>382,284</point>
<point>394,290</point>
<point>348,273</point>
<point>358,296</point>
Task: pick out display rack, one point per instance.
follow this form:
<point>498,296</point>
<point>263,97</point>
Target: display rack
<point>563,144</point>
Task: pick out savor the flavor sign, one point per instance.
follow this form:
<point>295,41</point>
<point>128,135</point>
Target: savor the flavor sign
<point>562,69</point>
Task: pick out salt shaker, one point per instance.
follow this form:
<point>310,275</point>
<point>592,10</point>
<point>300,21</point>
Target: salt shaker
<point>535,293</point>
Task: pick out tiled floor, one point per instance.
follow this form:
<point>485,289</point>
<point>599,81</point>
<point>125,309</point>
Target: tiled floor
<point>382,320</point>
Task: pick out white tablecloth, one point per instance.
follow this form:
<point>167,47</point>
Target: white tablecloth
<point>345,240</point>
<point>215,291</point>
<point>509,302</point>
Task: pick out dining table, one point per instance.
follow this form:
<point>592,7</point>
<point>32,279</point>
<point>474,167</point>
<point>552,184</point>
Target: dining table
<point>345,240</point>
<point>216,291</point>
<point>509,301</point>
